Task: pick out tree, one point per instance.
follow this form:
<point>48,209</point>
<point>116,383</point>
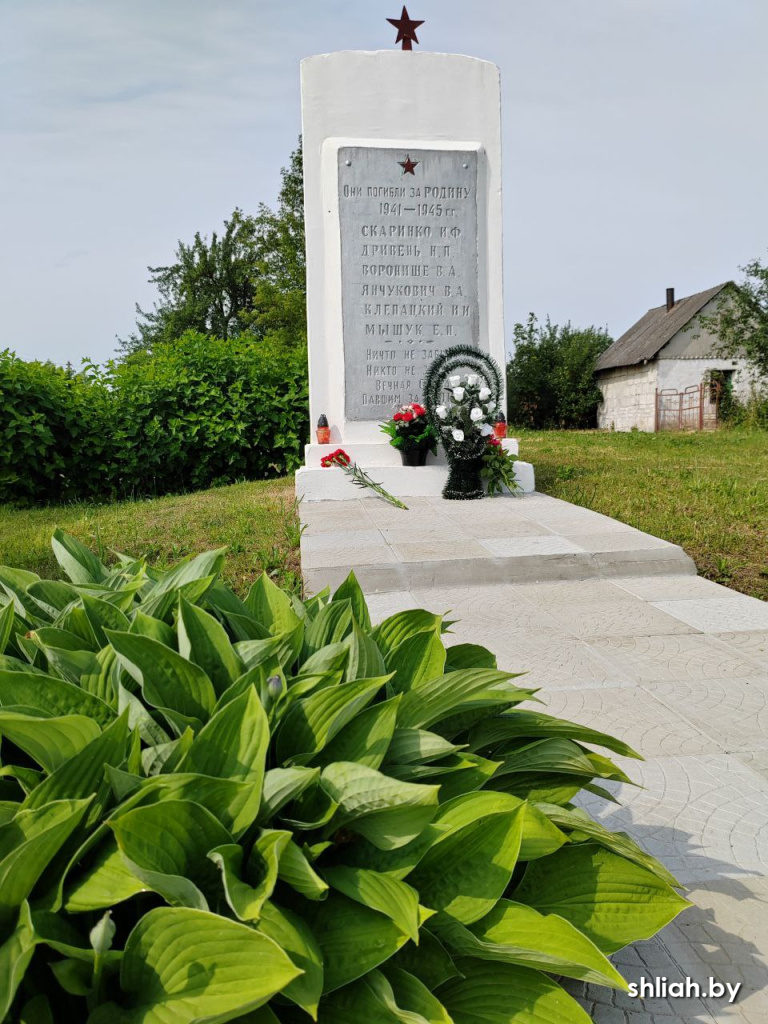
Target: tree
<point>741,318</point>
<point>550,378</point>
<point>248,280</point>
<point>279,310</point>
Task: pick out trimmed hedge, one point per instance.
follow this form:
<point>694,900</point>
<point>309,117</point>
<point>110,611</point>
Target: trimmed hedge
<point>196,414</point>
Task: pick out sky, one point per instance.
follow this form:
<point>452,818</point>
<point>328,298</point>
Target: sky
<point>635,148</point>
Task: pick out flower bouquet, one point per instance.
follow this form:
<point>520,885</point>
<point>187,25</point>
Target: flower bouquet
<point>358,476</point>
<point>412,434</point>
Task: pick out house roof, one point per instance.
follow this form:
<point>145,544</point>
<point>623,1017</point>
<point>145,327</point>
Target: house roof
<point>651,333</point>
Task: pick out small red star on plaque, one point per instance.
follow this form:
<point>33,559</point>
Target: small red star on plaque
<point>409,166</point>
<point>406,29</point>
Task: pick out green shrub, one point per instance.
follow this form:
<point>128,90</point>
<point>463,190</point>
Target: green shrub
<point>212,806</point>
<point>550,376</point>
<point>195,414</point>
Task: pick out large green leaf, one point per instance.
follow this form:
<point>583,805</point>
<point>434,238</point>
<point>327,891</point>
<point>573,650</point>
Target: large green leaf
<point>77,561</point>
<point>271,606</point>
<point>515,934</point>
<point>186,966</point>
<point>612,900</point>
<point>168,680</point>
<point>387,812</point>
<point>492,993</point>
<point>54,697</point>
<point>193,578</point>
<point>155,629</point>
<point>332,625</point>
<point>418,746</point>
<point>619,842</point>
<point>102,615</point>
<point>434,699</point>
<point>429,962</point>
<point>556,756</point>
<point>101,679</point>
<point>296,871</point>
<point>393,631</point>
<point>411,992</point>
<point>230,801</point>
<point>365,659</point>
<point>233,744</point>
<point>282,785</point>
<point>7,616</point>
<point>106,882</point>
<point>380,892</point>
<point>353,938</point>
<point>79,776</point>
<point>248,889</point>
<point>350,590</point>
<point>525,723</point>
<point>366,739</point>
<point>16,584</point>
<point>416,660</point>
<point>540,837</point>
<point>294,936</point>
<point>398,863</point>
<point>467,871</point>
<point>316,719</point>
<point>15,954</point>
<point>49,741</point>
<point>203,640</point>
<point>166,846</point>
<point>27,844</point>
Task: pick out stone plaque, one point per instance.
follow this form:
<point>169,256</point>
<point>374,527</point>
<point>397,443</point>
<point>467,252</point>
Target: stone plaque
<point>408,269</point>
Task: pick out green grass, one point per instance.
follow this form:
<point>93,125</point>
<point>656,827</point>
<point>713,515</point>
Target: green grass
<point>256,521</point>
<point>707,492</point>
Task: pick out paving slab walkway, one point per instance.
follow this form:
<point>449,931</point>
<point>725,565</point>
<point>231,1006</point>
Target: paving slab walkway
<point>673,664</point>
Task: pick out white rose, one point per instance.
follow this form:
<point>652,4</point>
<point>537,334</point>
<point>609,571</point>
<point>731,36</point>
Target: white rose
<point>484,393</point>
<point>476,414</point>
<point>490,406</point>
<point>454,381</point>
<point>472,379</point>
<point>458,394</point>
<point>458,435</point>
<point>441,411</point>
<point>486,430</point>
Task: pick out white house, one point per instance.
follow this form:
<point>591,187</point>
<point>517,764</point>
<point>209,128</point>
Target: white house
<point>651,377</point>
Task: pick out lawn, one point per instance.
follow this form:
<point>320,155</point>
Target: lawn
<point>707,492</point>
<point>256,521</point>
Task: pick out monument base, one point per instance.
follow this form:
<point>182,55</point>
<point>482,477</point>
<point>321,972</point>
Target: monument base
<point>383,463</point>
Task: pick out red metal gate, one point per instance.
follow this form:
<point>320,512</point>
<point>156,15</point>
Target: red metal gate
<point>695,408</point>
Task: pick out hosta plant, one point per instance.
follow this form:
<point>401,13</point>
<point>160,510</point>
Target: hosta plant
<point>272,811</point>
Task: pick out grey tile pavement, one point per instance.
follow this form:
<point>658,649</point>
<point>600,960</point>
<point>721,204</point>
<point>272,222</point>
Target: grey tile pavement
<point>674,665</point>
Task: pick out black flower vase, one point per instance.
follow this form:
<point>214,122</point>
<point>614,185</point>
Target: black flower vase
<point>465,465</point>
<point>415,455</point>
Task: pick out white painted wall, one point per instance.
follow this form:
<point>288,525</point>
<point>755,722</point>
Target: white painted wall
<point>390,98</point>
<point>688,356</point>
<point>629,398</point>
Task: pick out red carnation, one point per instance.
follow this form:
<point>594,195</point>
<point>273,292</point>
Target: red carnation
<point>407,417</point>
<point>494,441</point>
<point>419,410</point>
<point>397,417</point>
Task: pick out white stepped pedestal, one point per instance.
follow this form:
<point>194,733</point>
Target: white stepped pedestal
<point>383,463</point>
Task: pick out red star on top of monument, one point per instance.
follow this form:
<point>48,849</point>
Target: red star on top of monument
<point>409,165</point>
<point>406,29</point>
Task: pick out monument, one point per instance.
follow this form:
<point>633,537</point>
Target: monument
<point>402,201</point>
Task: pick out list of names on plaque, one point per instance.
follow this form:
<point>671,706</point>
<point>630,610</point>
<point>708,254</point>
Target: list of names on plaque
<point>408,269</point>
